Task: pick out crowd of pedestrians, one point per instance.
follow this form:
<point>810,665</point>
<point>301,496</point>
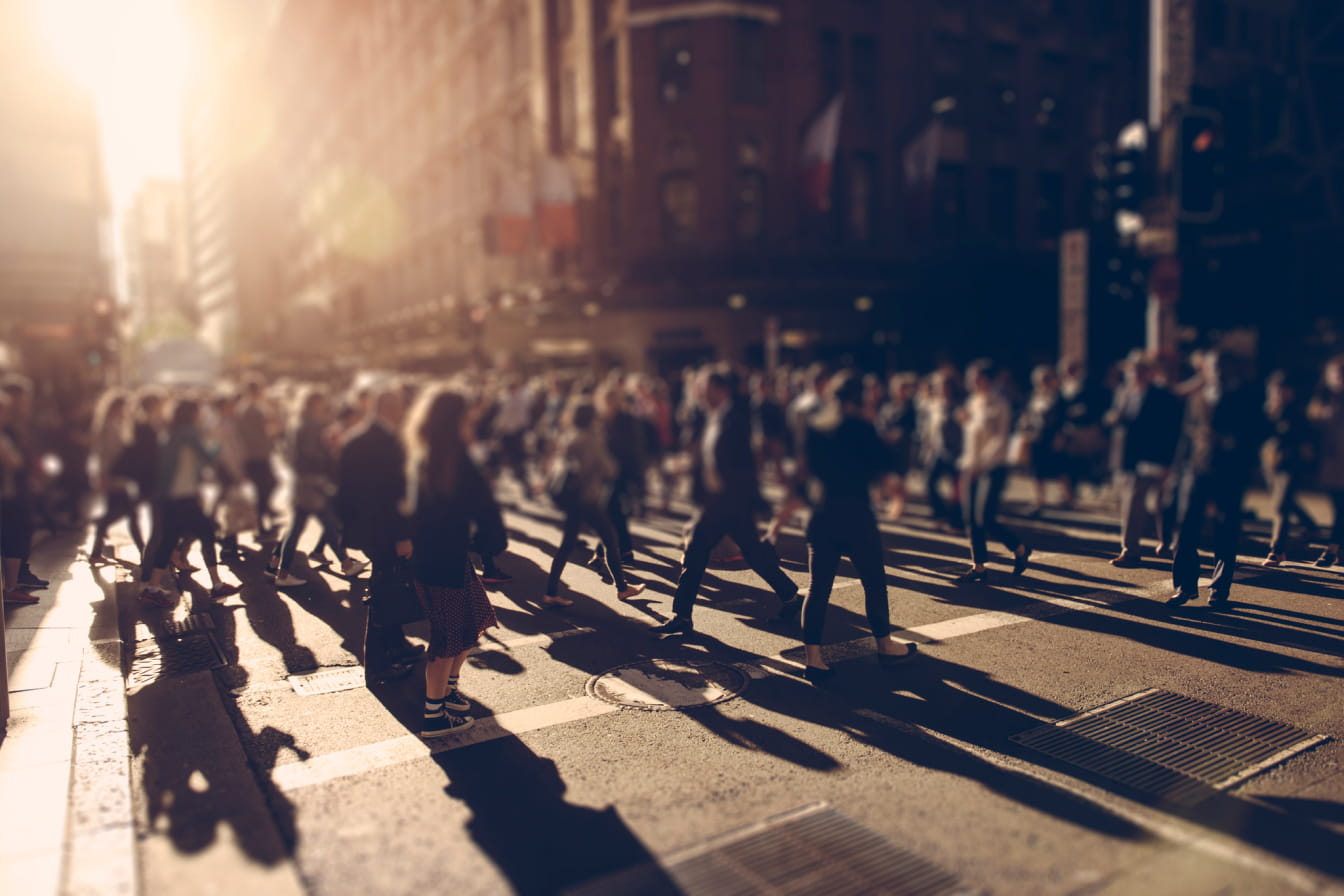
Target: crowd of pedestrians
<point>416,493</point>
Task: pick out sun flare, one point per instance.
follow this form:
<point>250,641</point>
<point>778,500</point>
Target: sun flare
<point>134,58</point>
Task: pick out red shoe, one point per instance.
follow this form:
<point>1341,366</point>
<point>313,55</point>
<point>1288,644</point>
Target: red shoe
<point>15,596</point>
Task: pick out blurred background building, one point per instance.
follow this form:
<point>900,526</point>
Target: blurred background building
<point>56,298</point>
<point>657,182</point>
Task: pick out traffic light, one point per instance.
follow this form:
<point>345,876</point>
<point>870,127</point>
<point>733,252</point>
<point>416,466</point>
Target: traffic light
<point>1199,166</point>
<point>1129,179</point>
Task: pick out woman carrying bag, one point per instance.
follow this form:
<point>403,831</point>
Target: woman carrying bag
<point>453,512</point>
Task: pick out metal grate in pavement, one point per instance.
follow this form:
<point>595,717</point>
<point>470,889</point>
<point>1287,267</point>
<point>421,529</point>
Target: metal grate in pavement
<point>810,851</point>
<point>328,681</point>
<point>1169,747</point>
<point>193,652</point>
<point>196,622</point>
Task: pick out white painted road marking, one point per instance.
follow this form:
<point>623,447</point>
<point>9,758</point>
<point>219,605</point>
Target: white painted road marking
<point>358,760</point>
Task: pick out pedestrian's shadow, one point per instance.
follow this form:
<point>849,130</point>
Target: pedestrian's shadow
<point>538,840</point>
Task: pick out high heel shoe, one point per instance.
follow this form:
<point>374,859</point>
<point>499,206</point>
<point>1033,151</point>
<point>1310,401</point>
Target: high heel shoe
<point>818,675</point>
<point>973,575</point>
<point>1020,562</point>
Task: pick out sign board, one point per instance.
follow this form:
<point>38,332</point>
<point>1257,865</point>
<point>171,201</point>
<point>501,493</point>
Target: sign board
<point>1073,294</point>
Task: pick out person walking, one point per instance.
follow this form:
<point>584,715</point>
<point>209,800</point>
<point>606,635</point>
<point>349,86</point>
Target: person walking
<point>370,489</point>
<point>625,444</point>
<point>581,482</point>
<point>1145,423</point>
<point>1327,412</point>
<point>452,512</point>
<point>254,429</point>
<point>984,472</point>
<point>726,487</point>
<point>1287,456</point>
<point>842,458</point>
<point>313,466</point>
<point>109,442</point>
<point>940,445</point>
<point>1221,433</point>
<point>180,516</point>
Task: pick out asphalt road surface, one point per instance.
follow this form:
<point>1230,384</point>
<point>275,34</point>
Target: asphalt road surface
<point>244,783</point>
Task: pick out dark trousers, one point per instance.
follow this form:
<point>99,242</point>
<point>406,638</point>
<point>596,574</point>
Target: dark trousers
<point>734,519</point>
<point>262,475</point>
<point>617,507</point>
<point>594,517</point>
<point>118,503</point>
<point>381,639</point>
<point>1337,525</point>
<point>180,518</point>
<point>1283,498</point>
<point>1195,493</point>
<point>852,534</point>
<point>331,529</point>
<point>513,455</point>
<point>980,506</point>
<point>942,509</point>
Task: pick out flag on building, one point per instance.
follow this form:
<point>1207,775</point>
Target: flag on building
<point>921,155</point>
<point>512,219</point>
<point>557,212</point>
<point>818,156</point>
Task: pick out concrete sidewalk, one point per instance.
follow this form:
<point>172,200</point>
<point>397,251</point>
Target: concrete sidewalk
<point>64,762</point>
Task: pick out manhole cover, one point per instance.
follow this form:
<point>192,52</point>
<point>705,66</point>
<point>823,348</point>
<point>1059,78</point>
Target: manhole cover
<point>1174,748</point>
<point>328,681</point>
<point>813,849</point>
<point>668,684</point>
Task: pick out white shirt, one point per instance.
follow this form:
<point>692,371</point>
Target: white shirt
<point>708,442</point>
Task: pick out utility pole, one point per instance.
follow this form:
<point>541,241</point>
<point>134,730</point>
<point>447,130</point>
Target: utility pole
<point>1171,60</point>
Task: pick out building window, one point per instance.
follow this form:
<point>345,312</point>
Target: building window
<point>568,117</point>
<point>749,73</point>
<point>832,75</point>
<point>865,74</point>
<point>674,61</point>
<point>1050,205</point>
<point>861,197</point>
<point>750,217</point>
<point>949,193</point>
<point>1003,203</point>
<point>611,63</point>
<point>679,201</point>
<point>1050,105</point>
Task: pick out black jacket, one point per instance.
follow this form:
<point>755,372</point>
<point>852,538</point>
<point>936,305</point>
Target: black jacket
<point>371,483</point>
<point>1222,437</point>
<point>733,459</point>
<point>447,525</point>
<point>1148,433</point>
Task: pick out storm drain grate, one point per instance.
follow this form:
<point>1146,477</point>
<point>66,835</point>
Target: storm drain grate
<point>196,622</point>
<point>194,652</point>
<point>810,851</point>
<point>1167,746</point>
<point>328,681</point>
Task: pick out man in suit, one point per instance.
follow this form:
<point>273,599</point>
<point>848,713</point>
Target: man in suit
<point>725,485</point>
<point>1221,434</point>
<point>1145,423</point>
<point>371,484</point>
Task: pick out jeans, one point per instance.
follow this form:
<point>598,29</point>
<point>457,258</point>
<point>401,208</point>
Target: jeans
<point>181,518</point>
<point>716,520</point>
<point>595,517</point>
<point>830,536</point>
<point>1283,498</point>
<point>1134,489</point>
<point>331,529</point>
<point>980,506</point>
<point>1195,494</point>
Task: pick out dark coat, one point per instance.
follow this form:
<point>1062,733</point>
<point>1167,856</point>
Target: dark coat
<point>447,525</point>
<point>371,483</point>
<point>733,459</point>
<point>1222,438</point>
<point>1147,434</point>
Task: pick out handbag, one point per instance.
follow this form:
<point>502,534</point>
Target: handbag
<point>564,488</point>
<point>393,598</point>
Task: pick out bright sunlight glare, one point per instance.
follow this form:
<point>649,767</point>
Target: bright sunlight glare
<point>133,56</point>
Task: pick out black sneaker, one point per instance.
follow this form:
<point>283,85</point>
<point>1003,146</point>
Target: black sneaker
<point>1217,598</point>
<point>455,701</point>
<point>445,723</point>
<point>1326,560</point>
<point>677,625</point>
<point>28,580</point>
<point>394,672</point>
<point>788,610</point>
